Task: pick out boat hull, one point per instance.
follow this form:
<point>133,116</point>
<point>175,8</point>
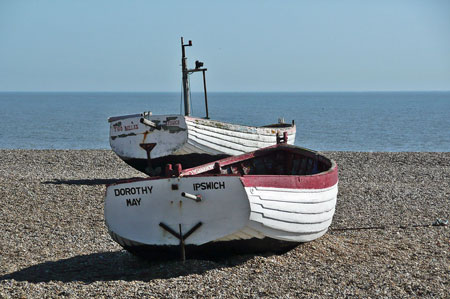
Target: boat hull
<point>235,214</point>
<point>187,140</point>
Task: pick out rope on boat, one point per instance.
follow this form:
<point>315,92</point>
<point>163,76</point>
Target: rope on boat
<point>181,97</point>
<point>190,96</point>
<point>438,222</point>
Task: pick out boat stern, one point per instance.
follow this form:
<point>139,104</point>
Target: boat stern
<point>168,211</point>
<point>140,136</point>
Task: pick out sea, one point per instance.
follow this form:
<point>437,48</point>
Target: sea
<point>326,121</point>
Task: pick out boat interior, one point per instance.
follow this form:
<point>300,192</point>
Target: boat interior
<point>280,124</point>
<point>279,161</point>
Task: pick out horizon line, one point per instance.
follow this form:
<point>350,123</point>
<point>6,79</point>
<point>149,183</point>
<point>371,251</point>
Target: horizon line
<point>219,91</point>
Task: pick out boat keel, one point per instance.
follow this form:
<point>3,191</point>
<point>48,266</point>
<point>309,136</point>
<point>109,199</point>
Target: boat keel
<point>213,250</point>
<point>180,236</point>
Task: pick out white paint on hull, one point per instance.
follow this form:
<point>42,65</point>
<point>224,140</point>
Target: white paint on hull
<point>222,210</point>
<point>256,137</point>
<point>280,234</point>
<point>127,134</point>
<point>192,146</point>
<point>297,215</point>
<point>232,139</point>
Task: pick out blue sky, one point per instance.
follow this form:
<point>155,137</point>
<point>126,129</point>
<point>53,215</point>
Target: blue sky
<point>344,45</point>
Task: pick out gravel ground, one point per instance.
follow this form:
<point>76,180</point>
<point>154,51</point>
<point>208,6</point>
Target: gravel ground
<point>54,242</point>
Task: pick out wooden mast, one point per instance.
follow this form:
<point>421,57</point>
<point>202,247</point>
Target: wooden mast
<point>186,71</point>
<point>187,100</point>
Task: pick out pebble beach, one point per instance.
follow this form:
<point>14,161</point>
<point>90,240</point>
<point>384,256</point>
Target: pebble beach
<point>385,239</point>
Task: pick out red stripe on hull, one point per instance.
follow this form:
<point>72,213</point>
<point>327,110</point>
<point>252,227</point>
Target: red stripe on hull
<point>317,181</point>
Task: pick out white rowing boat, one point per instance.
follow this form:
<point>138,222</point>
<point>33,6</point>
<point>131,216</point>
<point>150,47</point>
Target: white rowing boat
<point>267,199</point>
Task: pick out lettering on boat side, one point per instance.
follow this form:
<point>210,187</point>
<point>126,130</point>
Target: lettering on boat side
<point>173,123</point>
<point>133,191</point>
<point>209,185</point>
<point>131,127</point>
<point>133,202</point>
<point>118,127</point>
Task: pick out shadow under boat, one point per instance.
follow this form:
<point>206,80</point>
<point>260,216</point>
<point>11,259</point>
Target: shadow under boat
<point>87,182</point>
<point>120,265</point>
<point>214,251</point>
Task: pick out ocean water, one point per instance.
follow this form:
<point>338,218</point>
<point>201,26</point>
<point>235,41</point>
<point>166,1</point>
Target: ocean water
<point>329,121</point>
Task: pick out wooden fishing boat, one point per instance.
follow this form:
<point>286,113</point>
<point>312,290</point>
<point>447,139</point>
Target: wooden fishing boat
<point>149,142</point>
<point>268,199</point>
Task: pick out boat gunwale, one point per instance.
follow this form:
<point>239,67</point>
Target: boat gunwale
<point>270,126</point>
<point>290,127</point>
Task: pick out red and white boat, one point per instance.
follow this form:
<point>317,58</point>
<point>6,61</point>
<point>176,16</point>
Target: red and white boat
<point>148,142</point>
<point>269,199</point>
